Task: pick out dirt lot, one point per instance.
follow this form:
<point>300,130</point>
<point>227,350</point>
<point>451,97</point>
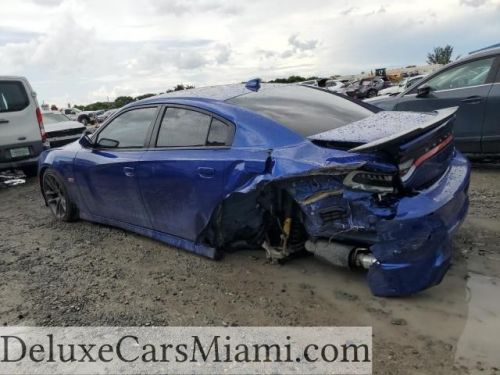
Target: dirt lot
<point>58,274</point>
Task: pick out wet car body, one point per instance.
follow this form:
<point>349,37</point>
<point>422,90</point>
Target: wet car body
<point>382,191</point>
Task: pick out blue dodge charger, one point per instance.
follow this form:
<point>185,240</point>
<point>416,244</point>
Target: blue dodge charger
<point>285,168</point>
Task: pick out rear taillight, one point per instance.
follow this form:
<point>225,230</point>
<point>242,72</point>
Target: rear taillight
<point>39,119</point>
<point>407,168</point>
<point>370,181</point>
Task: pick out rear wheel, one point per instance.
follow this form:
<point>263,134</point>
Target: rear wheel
<point>57,198</point>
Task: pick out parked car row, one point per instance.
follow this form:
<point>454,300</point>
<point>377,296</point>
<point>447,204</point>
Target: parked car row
<point>367,88</point>
<point>401,86</point>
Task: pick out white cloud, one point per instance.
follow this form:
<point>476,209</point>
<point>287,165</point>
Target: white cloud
<point>302,46</point>
<point>473,3</point>
<point>81,51</point>
<point>223,53</point>
<point>48,3</point>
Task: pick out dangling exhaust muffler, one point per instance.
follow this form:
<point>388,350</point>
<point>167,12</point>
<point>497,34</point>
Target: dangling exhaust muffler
<point>340,254</point>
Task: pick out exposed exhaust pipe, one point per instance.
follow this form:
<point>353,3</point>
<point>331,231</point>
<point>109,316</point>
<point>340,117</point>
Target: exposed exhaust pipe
<point>340,254</point>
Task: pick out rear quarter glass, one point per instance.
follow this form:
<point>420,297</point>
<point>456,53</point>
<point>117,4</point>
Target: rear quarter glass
<point>13,96</point>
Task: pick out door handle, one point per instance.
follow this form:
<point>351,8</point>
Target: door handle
<point>476,99</point>
<point>206,172</point>
<point>3,121</point>
<point>128,171</point>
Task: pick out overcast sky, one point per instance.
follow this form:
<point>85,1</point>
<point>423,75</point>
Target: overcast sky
<point>81,51</point>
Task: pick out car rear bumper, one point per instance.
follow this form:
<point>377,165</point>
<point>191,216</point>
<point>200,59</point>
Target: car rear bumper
<point>413,249</point>
<point>7,162</point>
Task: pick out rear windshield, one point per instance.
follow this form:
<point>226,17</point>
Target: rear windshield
<point>13,96</point>
<point>306,110</point>
<point>52,118</point>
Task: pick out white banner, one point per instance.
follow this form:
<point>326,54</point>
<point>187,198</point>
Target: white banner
<point>185,350</point>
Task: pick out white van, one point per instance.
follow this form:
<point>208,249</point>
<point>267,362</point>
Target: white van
<point>22,135</point>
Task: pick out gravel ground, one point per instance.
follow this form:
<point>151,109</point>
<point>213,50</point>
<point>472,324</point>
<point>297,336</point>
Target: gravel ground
<point>79,274</point>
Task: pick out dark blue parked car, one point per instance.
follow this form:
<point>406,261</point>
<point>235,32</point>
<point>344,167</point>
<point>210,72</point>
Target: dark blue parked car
<point>279,167</point>
<point>472,84</point>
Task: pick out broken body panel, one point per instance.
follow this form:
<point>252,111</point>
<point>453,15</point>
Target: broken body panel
<point>408,232</point>
<point>395,201</point>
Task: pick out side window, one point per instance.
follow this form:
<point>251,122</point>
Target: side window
<point>186,128</point>
<point>13,96</point>
<point>130,128</point>
<point>218,134</point>
<point>465,75</point>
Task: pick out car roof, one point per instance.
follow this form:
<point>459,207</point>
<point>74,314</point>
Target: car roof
<point>477,55</point>
<point>220,92</point>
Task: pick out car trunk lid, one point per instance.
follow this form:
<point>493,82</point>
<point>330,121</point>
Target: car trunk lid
<point>420,144</point>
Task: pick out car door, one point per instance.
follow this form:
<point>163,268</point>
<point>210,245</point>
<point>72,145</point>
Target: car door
<point>490,142</point>
<point>106,174</point>
<point>465,85</point>
<point>182,176</point>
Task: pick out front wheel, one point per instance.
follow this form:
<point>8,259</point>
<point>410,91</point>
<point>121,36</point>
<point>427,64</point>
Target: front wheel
<point>371,94</point>
<point>57,198</point>
<point>84,121</point>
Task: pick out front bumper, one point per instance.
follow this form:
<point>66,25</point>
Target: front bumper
<point>413,249</point>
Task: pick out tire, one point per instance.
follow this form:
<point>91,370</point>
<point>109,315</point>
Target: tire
<point>371,93</point>
<point>84,121</point>
<point>57,197</point>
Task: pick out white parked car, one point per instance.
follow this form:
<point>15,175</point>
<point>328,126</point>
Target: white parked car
<point>402,86</point>
<point>85,117</point>
<point>329,84</point>
<point>334,86</point>
<point>22,134</point>
<point>311,82</point>
<point>60,129</point>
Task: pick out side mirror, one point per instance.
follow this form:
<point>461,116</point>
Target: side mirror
<point>423,91</point>
<point>107,143</point>
<point>86,141</point>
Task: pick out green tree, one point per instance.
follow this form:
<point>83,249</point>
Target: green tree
<point>292,79</point>
<point>180,87</point>
<point>440,55</point>
<point>123,100</point>
<point>144,96</point>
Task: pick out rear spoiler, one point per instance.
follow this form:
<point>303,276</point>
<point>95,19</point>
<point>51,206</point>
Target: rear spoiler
<point>441,116</point>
